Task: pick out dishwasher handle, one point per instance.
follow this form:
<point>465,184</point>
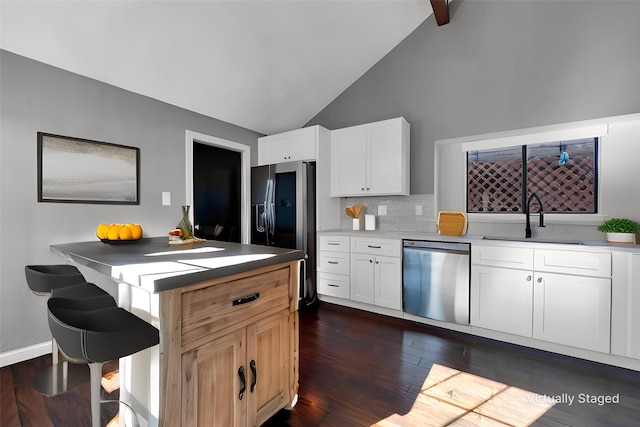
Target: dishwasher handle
<point>427,245</point>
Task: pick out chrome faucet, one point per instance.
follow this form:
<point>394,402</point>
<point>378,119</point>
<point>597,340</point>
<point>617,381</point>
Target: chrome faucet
<point>527,230</point>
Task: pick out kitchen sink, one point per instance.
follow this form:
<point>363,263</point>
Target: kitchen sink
<point>535,240</point>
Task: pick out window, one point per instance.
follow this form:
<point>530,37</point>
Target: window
<point>563,174</point>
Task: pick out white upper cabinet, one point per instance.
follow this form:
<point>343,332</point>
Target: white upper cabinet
<point>371,159</point>
<point>299,144</point>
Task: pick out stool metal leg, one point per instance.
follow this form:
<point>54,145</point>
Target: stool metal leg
<point>96,376</point>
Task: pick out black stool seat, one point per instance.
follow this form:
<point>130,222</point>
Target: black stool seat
<point>66,281</point>
<point>98,335</point>
<point>42,279</point>
<point>90,296</point>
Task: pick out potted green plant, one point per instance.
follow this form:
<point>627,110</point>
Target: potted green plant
<point>620,230</point>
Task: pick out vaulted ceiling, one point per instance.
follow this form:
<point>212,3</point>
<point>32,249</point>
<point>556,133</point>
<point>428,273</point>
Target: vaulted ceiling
<point>266,65</point>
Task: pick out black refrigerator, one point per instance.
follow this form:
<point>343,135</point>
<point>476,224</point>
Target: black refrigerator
<point>283,214</point>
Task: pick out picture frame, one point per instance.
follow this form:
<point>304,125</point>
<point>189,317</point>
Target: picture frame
<point>76,170</point>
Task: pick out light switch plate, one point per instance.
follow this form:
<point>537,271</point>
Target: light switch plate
<point>382,210</point>
<point>166,198</point>
<point>418,210</point>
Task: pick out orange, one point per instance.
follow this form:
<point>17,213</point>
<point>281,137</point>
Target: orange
<point>114,232</point>
<point>136,231</point>
<point>125,233</point>
<point>103,231</point>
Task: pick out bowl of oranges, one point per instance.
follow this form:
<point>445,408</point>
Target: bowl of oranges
<point>119,233</point>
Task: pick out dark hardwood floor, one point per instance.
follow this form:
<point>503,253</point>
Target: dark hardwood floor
<point>361,369</point>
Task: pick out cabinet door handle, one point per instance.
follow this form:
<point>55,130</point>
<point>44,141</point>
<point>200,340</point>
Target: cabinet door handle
<point>539,280</point>
<point>332,285</point>
<point>371,261</point>
<point>528,278</point>
<point>333,243</point>
<point>333,262</point>
<point>245,300</point>
<point>254,372</point>
<point>374,246</point>
<point>243,386</point>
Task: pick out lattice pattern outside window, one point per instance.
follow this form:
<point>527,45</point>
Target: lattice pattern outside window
<point>495,186</point>
<point>565,182</point>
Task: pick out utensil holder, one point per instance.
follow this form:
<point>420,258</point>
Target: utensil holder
<point>357,224</point>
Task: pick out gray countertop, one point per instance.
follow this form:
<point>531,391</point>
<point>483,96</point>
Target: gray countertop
<point>154,265</point>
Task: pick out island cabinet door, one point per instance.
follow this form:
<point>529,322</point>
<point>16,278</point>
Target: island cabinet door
<point>212,383</point>
<point>268,366</point>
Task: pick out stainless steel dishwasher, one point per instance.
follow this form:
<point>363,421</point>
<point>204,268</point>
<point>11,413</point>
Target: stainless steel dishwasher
<point>435,280</point>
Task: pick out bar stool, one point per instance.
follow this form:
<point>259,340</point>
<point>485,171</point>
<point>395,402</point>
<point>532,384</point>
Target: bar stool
<point>98,336</point>
<point>63,281</point>
<point>43,278</point>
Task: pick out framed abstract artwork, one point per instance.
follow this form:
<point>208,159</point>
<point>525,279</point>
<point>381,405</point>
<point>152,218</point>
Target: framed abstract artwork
<point>74,170</point>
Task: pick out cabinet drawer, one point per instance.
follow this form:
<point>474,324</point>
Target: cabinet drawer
<point>502,256</point>
<point>334,243</point>
<point>333,262</point>
<point>334,285</point>
<point>573,262</point>
<point>374,246</point>
<point>210,309</point>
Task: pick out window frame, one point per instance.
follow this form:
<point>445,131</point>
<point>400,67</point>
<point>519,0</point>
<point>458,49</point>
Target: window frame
<point>524,174</point>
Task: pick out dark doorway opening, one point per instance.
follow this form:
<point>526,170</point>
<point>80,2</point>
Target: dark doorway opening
<point>217,192</point>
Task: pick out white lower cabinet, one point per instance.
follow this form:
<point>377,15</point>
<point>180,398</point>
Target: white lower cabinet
<point>335,285</point>
<point>361,269</point>
<point>333,266</point>
<point>502,299</point>
<point>362,278</point>
<point>572,310</point>
<point>568,309</point>
<point>376,271</point>
<point>376,280</point>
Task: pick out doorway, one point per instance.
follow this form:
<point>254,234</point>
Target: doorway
<point>217,173</point>
<point>216,193</point>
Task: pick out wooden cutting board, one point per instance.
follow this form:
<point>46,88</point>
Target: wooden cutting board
<point>452,223</point>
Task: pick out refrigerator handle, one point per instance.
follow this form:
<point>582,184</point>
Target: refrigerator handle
<point>269,211</point>
<point>260,226</point>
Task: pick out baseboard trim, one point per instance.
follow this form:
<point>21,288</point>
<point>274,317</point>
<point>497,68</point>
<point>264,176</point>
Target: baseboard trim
<point>25,353</point>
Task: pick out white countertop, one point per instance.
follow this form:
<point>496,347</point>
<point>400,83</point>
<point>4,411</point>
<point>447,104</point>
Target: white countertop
<point>583,245</point>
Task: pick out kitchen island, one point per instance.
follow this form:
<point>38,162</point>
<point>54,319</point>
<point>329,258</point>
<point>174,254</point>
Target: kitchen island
<point>228,321</point>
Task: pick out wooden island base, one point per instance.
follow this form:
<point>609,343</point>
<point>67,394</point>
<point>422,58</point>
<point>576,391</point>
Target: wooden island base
<point>229,348</point>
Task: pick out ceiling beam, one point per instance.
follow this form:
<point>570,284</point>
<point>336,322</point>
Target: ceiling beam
<point>440,11</point>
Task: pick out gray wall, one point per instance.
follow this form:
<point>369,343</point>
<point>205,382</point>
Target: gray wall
<point>37,97</point>
<point>499,65</point>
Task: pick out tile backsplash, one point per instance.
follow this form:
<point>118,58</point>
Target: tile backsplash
<point>401,212</point>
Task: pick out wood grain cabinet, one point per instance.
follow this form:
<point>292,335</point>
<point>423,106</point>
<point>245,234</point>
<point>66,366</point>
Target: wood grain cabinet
<point>237,346</point>
<point>239,379</point>
<point>560,296</point>
<point>370,159</point>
